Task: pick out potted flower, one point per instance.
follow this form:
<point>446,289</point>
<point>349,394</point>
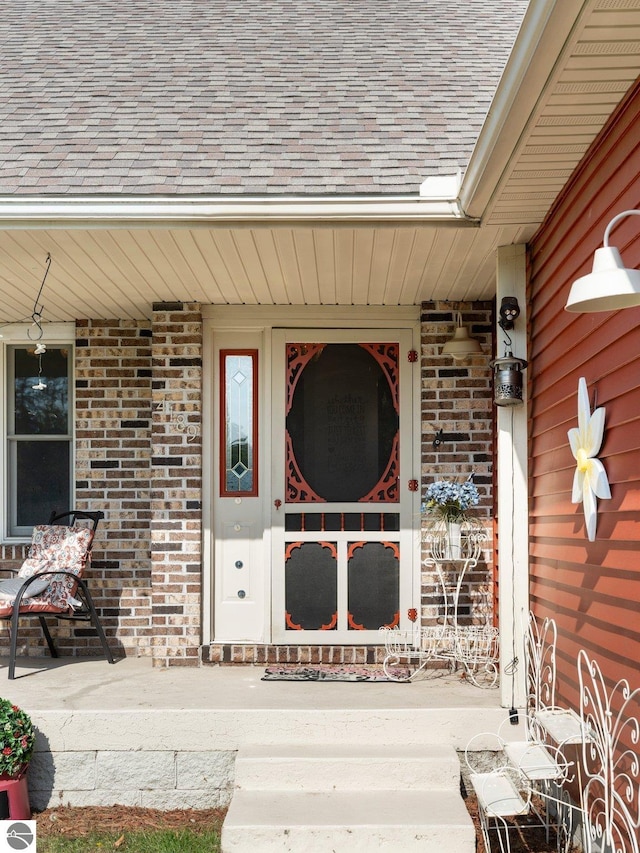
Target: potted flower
<point>449,501</point>
<point>17,738</point>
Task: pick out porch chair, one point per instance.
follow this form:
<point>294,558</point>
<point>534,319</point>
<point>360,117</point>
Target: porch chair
<point>50,582</point>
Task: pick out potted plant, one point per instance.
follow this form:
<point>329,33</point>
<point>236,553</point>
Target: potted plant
<point>17,738</point>
<point>449,501</point>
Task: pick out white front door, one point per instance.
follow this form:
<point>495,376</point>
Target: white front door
<point>345,506</point>
<point>314,523</point>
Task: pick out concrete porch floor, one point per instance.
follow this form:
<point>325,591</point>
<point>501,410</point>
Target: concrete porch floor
<point>167,738</point>
<point>132,684</point>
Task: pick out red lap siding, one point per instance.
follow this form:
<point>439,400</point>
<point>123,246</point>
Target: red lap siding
<point>592,589</point>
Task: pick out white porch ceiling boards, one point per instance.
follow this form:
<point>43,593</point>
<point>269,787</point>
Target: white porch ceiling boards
<point>105,273</point>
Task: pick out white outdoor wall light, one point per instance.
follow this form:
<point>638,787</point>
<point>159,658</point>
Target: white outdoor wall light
<point>610,285</point>
<point>461,346</point>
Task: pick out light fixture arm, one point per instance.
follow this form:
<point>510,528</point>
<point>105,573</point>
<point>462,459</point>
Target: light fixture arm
<point>614,222</point>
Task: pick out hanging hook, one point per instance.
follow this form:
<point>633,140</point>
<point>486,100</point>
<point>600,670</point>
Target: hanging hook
<point>36,314</point>
<point>46,273</point>
<point>37,322</point>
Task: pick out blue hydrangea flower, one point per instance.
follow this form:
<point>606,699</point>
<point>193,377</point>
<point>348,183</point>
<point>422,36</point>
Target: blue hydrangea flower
<point>450,499</point>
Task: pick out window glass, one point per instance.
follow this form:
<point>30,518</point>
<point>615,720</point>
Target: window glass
<point>239,419</point>
<point>41,392</point>
<point>42,474</point>
<point>39,455</point>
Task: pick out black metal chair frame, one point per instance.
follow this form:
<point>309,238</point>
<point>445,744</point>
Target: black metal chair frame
<point>85,613</point>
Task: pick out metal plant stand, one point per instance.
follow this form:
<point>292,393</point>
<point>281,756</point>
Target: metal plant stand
<point>473,647</point>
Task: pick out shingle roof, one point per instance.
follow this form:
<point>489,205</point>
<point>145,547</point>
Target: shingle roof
<point>244,97</point>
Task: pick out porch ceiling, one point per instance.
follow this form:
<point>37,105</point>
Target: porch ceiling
<point>105,273</point>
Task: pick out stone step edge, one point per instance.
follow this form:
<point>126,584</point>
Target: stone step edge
<point>367,808</point>
<point>325,767</point>
<point>336,749</point>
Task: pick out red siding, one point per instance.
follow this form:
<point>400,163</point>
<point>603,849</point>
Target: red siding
<point>592,589</point>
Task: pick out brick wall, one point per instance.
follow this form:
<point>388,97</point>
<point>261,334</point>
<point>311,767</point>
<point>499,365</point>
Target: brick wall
<point>113,424</point>
<point>456,398</point>
<point>176,492</point>
<point>138,454</point>
<point>139,458</point>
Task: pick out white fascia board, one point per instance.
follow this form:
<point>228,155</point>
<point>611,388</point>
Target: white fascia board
<point>176,211</point>
<point>545,30</point>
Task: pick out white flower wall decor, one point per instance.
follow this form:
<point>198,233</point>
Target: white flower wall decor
<point>590,479</point>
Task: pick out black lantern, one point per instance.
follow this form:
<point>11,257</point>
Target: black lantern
<point>507,380</point>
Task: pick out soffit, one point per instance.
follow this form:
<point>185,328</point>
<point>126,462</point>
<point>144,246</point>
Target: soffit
<point>584,83</point>
<point>106,273</point>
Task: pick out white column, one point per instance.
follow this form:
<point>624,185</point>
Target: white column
<point>513,507</point>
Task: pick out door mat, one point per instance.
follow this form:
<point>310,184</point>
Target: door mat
<point>292,672</point>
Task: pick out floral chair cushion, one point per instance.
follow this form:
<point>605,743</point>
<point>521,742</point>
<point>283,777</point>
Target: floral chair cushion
<point>52,547</point>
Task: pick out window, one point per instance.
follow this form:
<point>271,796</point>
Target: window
<point>238,407</point>
<point>38,460</point>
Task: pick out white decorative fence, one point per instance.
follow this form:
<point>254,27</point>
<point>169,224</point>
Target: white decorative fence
<point>592,751</point>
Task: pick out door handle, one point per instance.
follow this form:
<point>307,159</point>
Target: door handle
<point>277,503</point>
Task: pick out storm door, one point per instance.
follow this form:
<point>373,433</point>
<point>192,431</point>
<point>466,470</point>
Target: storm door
<point>343,503</point>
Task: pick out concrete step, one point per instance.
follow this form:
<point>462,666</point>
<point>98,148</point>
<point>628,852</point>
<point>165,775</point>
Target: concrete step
<point>344,767</point>
<point>348,822</point>
<point>347,798</point>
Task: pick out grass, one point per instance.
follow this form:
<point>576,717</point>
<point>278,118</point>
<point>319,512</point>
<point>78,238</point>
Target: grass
<point>128,829</point>
<point>142,841</point>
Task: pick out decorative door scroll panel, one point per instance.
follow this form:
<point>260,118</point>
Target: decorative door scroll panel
<point>370,571</point>
<point>342,423</point>
<point>311,565</point>
<point>373,582</point>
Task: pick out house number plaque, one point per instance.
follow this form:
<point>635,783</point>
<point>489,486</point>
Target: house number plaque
<point>178,420</point>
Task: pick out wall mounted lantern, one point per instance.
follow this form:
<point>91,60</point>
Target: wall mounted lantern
<point>461,346</point>
<point>508,381</point>
<point>610,285</point>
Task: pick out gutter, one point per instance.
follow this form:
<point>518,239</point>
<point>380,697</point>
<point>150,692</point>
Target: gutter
<point>193,211</point>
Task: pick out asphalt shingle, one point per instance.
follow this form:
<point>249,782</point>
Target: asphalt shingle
<point>258,96</point>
